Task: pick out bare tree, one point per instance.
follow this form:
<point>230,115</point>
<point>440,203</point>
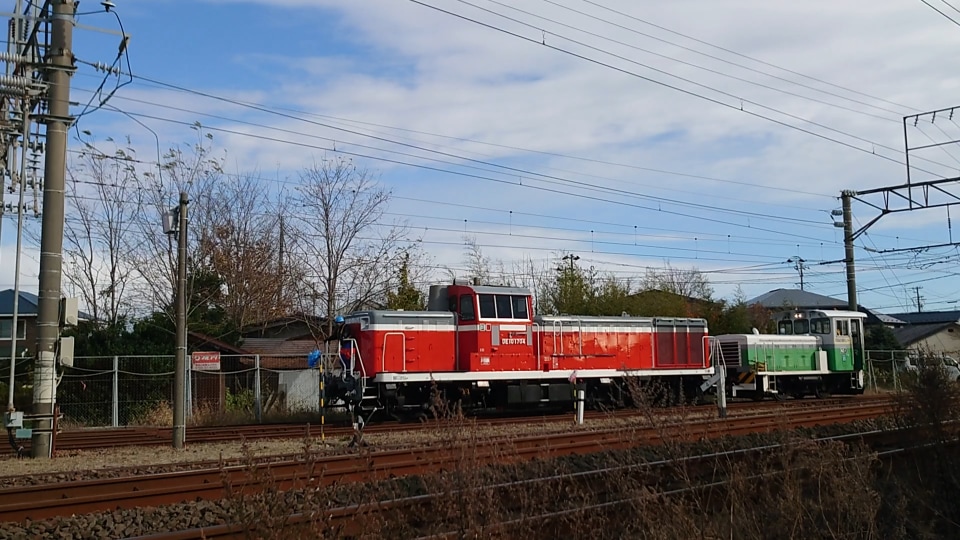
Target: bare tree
<point>690,282</point>
<point>479,266</point>
<point>245,245</point>
<point>536,277</point>
<point>195,170</point>
<point>343,234</point>
<point>97,232</point>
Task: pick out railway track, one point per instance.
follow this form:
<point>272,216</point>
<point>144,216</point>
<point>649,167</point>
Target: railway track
<point>86,496</point>
<point>97,438</point>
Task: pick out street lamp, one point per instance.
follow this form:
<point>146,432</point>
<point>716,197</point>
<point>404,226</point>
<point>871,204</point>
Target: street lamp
<point>179,215</point>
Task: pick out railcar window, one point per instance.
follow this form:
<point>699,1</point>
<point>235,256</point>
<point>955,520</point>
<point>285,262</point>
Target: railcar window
<point>785,328</point>
<point>488,306</point>
<point>801,326</point>
<point>466,308</point>
<point>520,307</point>
<point>820,326</point>
<point>843,328</point>
<point>504,307</point>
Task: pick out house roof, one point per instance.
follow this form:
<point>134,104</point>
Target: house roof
<point>222,346</point>
<point>929,317</point>
<point>908,335</point>
<point>889,319</point>
<point>280,353</point>
<point>26,307</point>
<point>780,298</point>
<point>795,298</point>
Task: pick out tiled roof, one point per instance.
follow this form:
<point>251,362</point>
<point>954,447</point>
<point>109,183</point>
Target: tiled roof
<point>27,306</point>
<point>908,335</point>
<point>280,353</point>
<point>778,298</point>
<point>929,317</point>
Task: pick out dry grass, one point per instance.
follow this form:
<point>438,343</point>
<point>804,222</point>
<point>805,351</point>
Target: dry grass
<point>801,489</point>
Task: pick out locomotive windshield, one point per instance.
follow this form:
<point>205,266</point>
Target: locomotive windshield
<point>820,326</point>
<point>790,327</point>
<point>503,306</point>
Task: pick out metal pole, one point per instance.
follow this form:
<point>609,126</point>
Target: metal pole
<point>846,196</point>
<point>580,399</point>
<point>257,404</point>
<point>722,390</point>
<point>21,173</point>
<point>179,384</point>
<point>323,409</point>
<point>116,391</point>
<point>58,68</point>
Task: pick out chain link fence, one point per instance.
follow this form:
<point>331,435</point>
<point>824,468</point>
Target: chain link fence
<point>885,370</point>
<point>139,390</point>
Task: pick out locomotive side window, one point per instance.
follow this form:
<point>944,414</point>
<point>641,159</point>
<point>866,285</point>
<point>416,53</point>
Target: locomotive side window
<point>520,307</point>
<point>820,326</point>
<point>801,326</point>
<point>488,306</point>
<point>466,308</point>
<point>843,328</point>
<point>504,307</point>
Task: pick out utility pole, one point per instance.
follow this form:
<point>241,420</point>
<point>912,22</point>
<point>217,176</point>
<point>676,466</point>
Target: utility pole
<point>572,258</point>
<point>59,66</point>
<point>798,267</point>
<point>179,384</point>
<point>846,196</point>
<point>919,302</point>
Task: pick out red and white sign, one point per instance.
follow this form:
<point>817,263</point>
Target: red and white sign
<point>206,361</point>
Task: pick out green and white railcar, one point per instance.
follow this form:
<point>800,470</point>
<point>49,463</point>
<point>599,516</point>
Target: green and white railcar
<point>814,352</point>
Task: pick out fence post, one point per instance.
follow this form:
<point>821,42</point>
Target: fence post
<point>893,368</point>
<point>116,391</point>
<point>257,405</point>
<point>188,386</point>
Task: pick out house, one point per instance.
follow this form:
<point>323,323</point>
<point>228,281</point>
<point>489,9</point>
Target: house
<point>786,299</point>
<point>26,335</point>
<point>931,331</point>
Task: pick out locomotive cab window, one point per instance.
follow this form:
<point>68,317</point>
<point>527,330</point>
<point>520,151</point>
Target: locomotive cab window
<point>843,328</point>
<point>801,327</point>
<point>785,328</point>
<point>520,307</point>
<point>503,306</point>
<point>488,306</point>
<point>820,326</point>
<point>466,308</point>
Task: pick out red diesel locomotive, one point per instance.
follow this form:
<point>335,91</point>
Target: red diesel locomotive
<point>483,346</point>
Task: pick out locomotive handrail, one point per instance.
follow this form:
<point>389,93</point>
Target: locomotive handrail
<point>403,348</point>
<point>536,336</point>
<point>705,341</point>
<point>354,355</point>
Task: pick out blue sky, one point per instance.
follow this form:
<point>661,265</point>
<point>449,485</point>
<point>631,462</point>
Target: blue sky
<point>600,132</point>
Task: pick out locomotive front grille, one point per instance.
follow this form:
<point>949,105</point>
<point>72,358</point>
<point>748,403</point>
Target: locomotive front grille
<point>729,353</point>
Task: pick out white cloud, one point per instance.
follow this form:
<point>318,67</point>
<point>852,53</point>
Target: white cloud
<point>400,64</point>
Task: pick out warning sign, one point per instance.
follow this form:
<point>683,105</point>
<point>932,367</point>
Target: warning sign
<point>206,361</point>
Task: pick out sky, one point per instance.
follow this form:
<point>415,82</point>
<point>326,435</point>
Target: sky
<point>707,135</point>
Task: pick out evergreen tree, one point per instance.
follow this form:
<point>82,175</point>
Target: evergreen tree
<point>407,296</point>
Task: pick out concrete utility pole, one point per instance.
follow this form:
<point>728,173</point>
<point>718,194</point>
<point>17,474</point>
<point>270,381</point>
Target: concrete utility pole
<point>59,66</point>
<point>179,382</point>
<point>798,266</point>
<point>846,196</point>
